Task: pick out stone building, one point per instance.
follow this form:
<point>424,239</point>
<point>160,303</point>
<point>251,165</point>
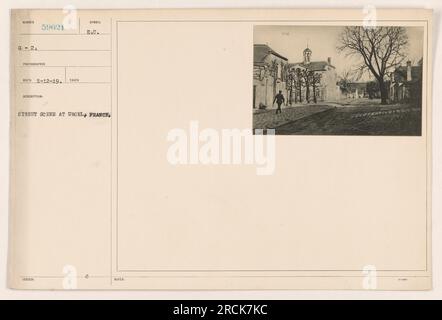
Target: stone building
<point>406,83</point>
<point>327,89</point>
<point>268,75</point>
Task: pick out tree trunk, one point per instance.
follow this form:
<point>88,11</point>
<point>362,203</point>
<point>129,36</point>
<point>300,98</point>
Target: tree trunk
<point>384,91</point>
<point>314,93</point>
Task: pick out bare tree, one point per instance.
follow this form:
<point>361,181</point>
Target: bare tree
<point>290,82</point>
<point>299,83</point>
<point>316,80</point>
<point>306,79</point>
<point>346,76</point>
<point>380,48</point>
<point>310,79</point>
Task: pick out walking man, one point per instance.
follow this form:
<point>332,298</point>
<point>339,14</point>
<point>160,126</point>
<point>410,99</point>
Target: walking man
<point>279,99</point>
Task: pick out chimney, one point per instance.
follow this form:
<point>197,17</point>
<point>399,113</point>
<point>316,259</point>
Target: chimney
<point>408,70</point>
<point>329,60</point>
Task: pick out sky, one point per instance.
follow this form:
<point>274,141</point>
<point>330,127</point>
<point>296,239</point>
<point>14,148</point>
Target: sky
<point>290,41</point>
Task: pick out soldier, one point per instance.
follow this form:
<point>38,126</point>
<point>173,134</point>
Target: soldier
<point>279,99</point>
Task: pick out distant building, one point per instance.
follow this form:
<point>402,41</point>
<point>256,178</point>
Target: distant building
<point>354,90</point>
<point>406,83</point>
<point>327,89</point>
<point>268,75</point>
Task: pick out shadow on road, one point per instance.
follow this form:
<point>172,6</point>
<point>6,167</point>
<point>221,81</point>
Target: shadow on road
<point>390,120</point>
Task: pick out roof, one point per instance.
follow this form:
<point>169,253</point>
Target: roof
<point>401,73</point>
<point>261,51</point>
<point>314,65</point>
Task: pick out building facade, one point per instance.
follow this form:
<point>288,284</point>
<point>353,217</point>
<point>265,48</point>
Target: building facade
<point>268,75</point>
<point>406,83</point>
<point>325,88</point>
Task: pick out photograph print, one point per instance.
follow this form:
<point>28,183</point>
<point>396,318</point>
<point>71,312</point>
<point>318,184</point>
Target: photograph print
<point>338,80</point>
